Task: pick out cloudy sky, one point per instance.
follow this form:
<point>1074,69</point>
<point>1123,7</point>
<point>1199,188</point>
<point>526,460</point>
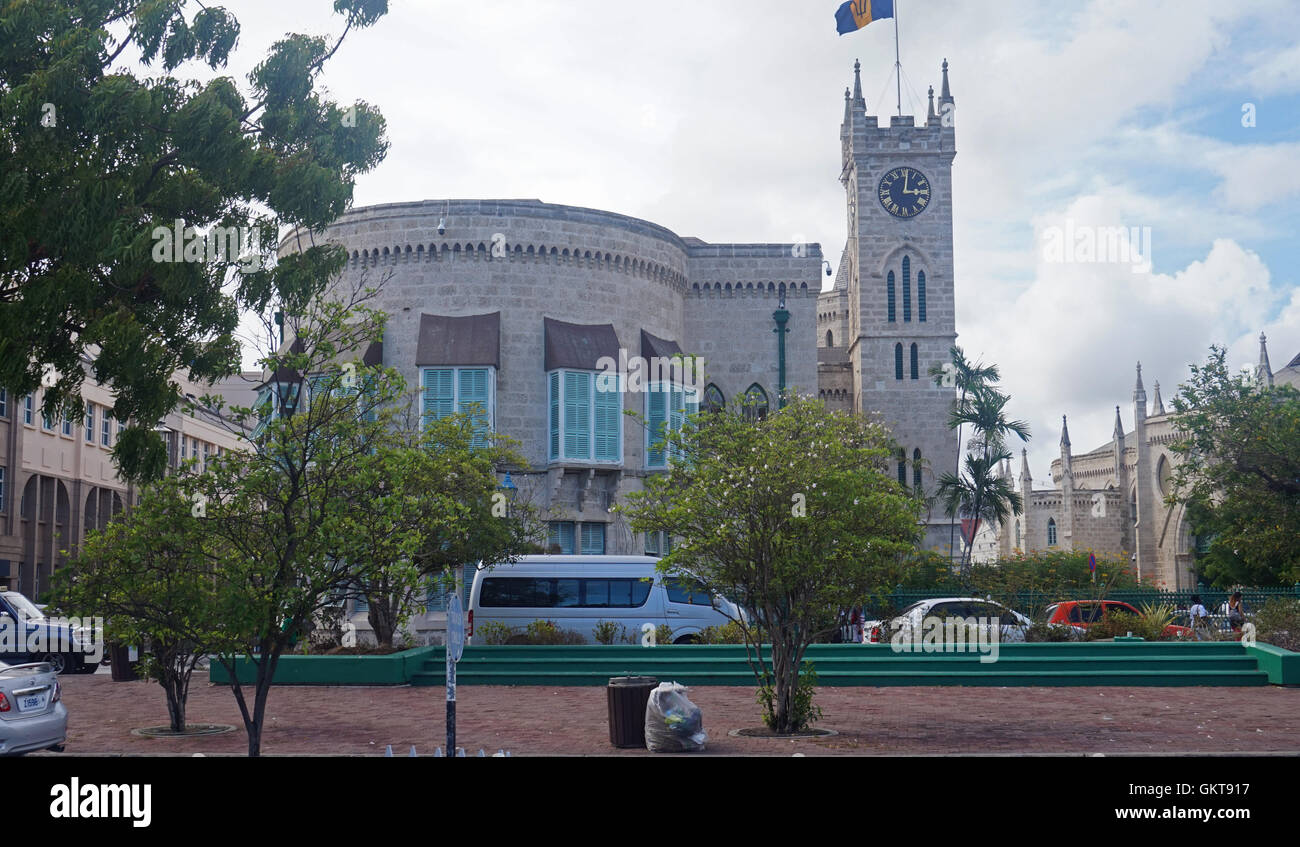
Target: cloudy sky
<point>720,119</point>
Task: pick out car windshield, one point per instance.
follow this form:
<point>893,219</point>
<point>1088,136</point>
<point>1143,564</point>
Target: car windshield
<point>23,606</point>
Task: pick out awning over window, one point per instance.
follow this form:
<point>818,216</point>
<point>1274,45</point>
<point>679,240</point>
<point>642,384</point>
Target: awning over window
<point>467,340</point>
<point>653,346</point>
<point>578,346</point>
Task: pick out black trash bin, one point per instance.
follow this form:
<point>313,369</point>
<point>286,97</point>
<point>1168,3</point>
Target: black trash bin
<point>627,697</point>
<point>124,670</point>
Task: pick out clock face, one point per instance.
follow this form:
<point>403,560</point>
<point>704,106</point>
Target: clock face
<point>904,192</point>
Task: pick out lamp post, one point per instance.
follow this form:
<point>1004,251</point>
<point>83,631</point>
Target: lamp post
<point>782,317</point>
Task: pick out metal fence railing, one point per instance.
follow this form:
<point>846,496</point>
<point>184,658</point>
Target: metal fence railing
<point>1031,601</point>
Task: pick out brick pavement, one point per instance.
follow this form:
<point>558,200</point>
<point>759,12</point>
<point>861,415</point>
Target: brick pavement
<point>542,721</point>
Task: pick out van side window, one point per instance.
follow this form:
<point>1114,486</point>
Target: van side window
<point>527,592</point>
<point>679,593</point>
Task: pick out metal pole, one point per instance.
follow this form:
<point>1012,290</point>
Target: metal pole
<point>781,316</point>
<point>898,65</point>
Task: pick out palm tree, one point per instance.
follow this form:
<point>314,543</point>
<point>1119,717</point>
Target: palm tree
<point>966,377</point>
<point>981,493</point>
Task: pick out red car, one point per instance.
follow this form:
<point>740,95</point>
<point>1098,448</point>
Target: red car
<point>1085,613</point>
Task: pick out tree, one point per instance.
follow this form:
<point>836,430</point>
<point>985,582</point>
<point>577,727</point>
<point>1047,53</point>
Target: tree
<point>435,505</point>
<point>274,513</point>
<point>147,573</point>
<point>793,516</point>
<point>980,493</point>
<point>1239,473</point>
<point>103,170</point>
<point>964,376</point>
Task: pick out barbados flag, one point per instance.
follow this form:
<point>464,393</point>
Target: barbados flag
<point>856,14</point>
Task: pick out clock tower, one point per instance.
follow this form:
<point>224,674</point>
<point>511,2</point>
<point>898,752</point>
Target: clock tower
<point>895,285</point>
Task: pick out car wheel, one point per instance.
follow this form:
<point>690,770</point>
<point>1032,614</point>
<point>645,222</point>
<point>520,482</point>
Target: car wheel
<point>59,662</point>
<point>87,667</point>
<point>688,639</point>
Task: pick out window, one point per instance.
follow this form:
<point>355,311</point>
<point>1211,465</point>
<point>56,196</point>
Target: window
<point>4,402</point>
<point>658,543</point>
<point>830,339</point>
<point>678,592</point>
<point>468,391</point>
<point>593,539</point>
<point>915,363</point>
<point>668,406</point>
<point>755,402</point>
<point>205,456</point>
<point>889,287</point>
<point>67,426</point>
<point>902,467</point>
<point>1017,535</point>
<point>907,289</point>
<point>90,423</point>
<point>1051,532</point>
<point>563,592</point>
<point>106,430</point>
<point>920,295</point>
<point>46,421</point>
<point>28,404</point>
<point>916,469</point>
<point>559,534</point>
<point>713,399</point>
<point>898,361</point>
<point>2,489</point>
<point>586,416</point>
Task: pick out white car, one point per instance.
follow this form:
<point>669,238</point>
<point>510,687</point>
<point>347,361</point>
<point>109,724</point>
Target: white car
<point>1011,624</point>
<point>32,714</point>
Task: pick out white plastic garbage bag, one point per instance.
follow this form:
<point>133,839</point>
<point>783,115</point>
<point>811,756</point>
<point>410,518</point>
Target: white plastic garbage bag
<point>672,722</point>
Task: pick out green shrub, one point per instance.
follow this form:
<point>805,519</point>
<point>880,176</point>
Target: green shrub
<point>1043,632</point>
<point>1150,625</point>
<point>548,632</point>
<point>609,632</point>
<point>1278,623</point>
<point>729,633</point>
<point>493,632</point>
<point>663,634</point>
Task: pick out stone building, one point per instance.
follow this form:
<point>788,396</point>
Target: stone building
<point>58,480</point>
<point>1112,499</point>
<point>891,314</point>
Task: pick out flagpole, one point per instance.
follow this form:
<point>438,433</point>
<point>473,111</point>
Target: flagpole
<point>898,65</point>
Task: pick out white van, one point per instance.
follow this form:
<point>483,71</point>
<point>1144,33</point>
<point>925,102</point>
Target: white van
<point>577,592</point>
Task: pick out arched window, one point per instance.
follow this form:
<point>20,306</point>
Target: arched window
<point>902,467</point>
<point>916,469</point>
<point>1017,535</point>
<point>915,363</point>
<point>920,295</point>
<point>898,361</point>
<point>1133,504</point>
<point>830,339</point>
<point>889,286</point>
<point>713,399</point>
<point>755,405</point>
<point>907,289</point>
<point>1051,532</point>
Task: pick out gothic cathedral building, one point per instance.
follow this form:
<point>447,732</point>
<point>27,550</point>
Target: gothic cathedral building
<point>890,317</point>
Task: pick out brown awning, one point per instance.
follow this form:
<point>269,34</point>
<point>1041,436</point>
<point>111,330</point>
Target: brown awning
<point>578,345</point>
<point>653,347</point>
<point>466,340</point>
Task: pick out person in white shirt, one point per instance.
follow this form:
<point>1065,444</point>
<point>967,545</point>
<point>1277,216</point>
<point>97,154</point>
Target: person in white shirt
<point>1200,617</point>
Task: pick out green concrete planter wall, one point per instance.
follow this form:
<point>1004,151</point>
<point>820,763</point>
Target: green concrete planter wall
<point>389,669</point>
<point>1282,666</point>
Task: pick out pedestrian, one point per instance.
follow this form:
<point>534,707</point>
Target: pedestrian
<point>1236,611</point>
<point>1200,618</point>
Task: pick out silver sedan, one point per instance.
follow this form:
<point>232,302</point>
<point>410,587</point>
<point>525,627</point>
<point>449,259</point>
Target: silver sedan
<point>32,714</point>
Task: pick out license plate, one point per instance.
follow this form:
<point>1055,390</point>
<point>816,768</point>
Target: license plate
<point>33,703</point>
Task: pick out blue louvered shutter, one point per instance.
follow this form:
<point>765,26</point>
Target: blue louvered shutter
<point>676,411</point>
<point>439,393</point>
<point>609,412</point>
<point>656,417</point>
<point>561,533</point>
<point>593,539</point>
<point>555,414</point>
<point>577,415</point>
<point>474,400</point>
